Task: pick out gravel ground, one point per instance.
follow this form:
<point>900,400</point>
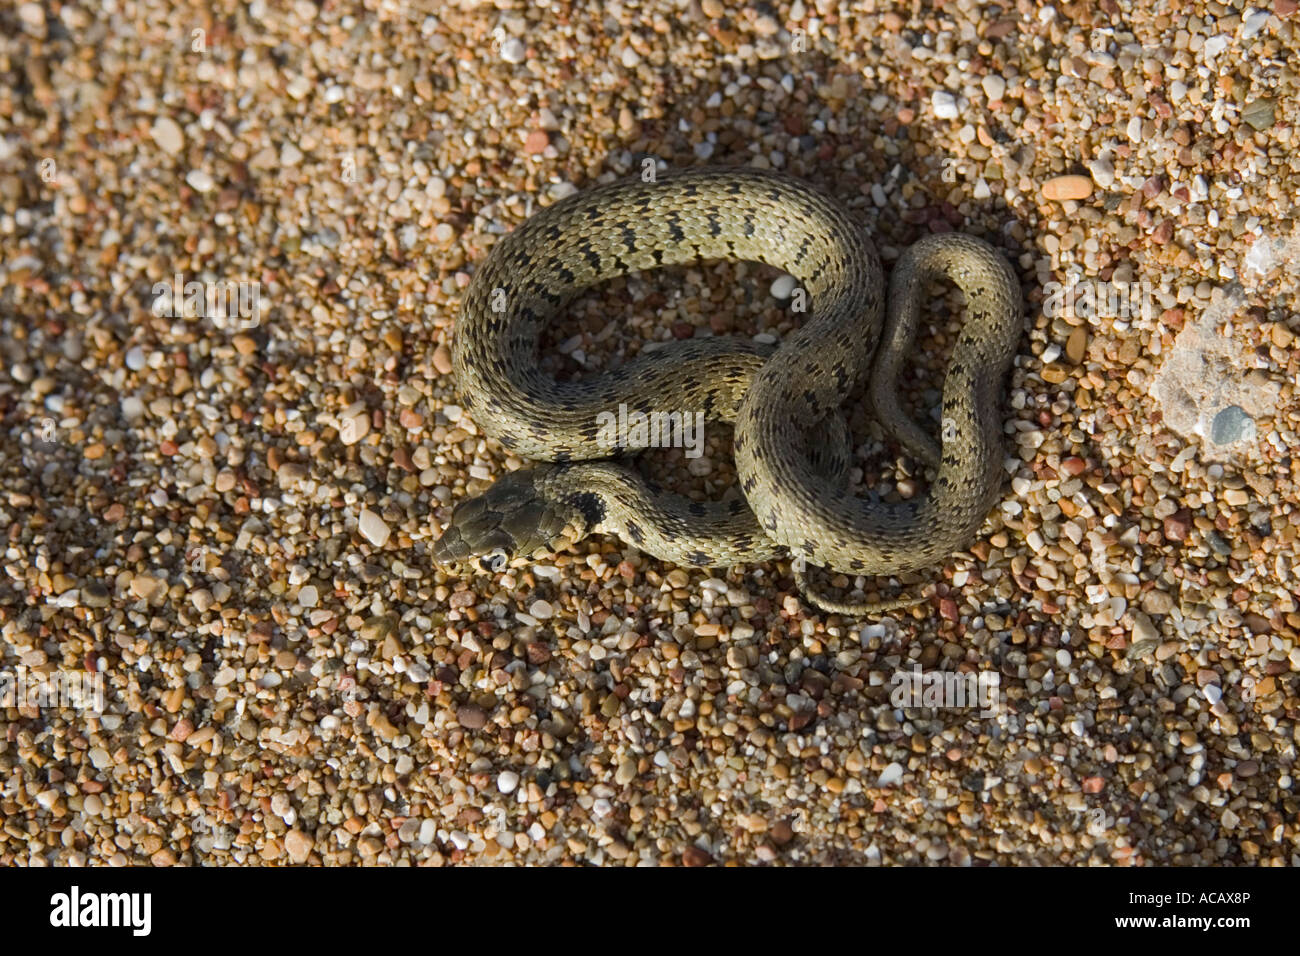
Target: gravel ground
<point>225,513</point>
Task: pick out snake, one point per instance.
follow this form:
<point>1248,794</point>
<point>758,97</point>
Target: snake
<point>785,401</point>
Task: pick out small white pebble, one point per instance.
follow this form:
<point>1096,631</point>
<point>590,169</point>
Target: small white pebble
<point>995,87</point>
<point>513,50</point>
<point>354,425</point>
<point>890,775</point>
<point>1103,172</point>
<point>783,287</point>
<point>200,180</point>
<point>168,135</point>
<point>373,528</point>
<point>945,104</point>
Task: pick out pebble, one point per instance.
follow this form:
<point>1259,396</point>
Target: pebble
<point>1076,346</point>
<point>442,360</point>
<point>147,587</point>
<point>1157,602</point>
<point>783,287</point>
<point>354,425</point>
<point>168,136</point>
<point>513,50</point>
<point>695,856</point>
<point>1260,114</point>
<point>507,781</point>
<point>200,180</point>
<point>1143,629</point>
<point>1232,424</point>
<point>945,104</point>
<point>891,775</point>
<point>1062,188</point>
<point>373,528</point>
<point>471,717</point>
<point>1177,526</point>
<point>298,845</point>
<point>536,142</point>
<point>1103,172</point>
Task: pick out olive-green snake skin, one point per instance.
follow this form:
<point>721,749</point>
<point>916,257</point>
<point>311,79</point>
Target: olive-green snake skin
<point>791,441</point>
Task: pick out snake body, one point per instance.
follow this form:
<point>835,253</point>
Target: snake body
<point>791,442</point>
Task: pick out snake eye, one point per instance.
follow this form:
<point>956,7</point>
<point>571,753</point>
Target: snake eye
<point>494,560</point>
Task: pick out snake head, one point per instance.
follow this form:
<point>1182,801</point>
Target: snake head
<point>513,518</point>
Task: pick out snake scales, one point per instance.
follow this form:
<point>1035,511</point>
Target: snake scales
<point>791,443</point>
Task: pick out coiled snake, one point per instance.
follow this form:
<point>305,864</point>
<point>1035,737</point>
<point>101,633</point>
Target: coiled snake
<point>791,443</point>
